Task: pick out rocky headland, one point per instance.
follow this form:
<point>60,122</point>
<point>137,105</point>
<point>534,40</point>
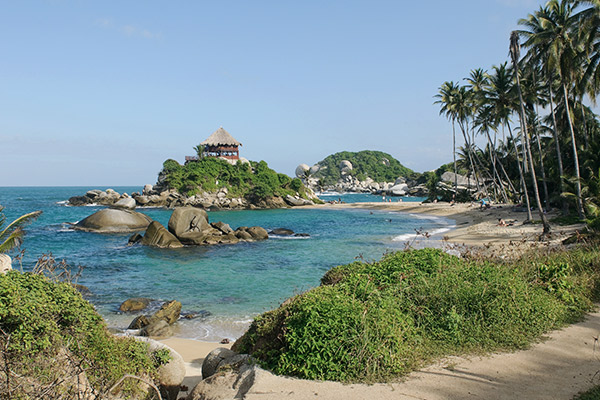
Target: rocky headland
<point>210,184</point>
<point>366,171</point>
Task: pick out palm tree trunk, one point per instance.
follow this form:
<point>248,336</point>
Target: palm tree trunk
<point>522,178</point>
<point>495,170</point>
<point>454,154</point>
<point>465,136</point>
<point>580,210</point>
<point>539,145</point>
<point>523,119</point>
<point>561,172</point>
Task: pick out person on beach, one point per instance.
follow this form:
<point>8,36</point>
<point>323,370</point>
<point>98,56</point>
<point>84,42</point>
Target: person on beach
<point>501,222</point>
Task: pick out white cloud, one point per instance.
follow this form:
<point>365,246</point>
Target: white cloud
<point>128,29</point>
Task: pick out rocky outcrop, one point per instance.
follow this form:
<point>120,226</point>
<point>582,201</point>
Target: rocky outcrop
<point>160,196</point>
<point>190,226</point>
<point>159,323</point>
<point>158,236</point>
<point>188,219</point>
<point>114,220</point>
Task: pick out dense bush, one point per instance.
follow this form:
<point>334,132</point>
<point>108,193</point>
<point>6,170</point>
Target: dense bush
<point>252,181</point>
<point>371,321</point>
<point>379,166</point>
<point>50,334</point>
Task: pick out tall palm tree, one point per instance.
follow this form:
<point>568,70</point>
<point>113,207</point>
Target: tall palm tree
<point>446,96</point>
<point>552,34</point>
<point>515,53</point>
<point>12,235</point>
<point>500,97</point>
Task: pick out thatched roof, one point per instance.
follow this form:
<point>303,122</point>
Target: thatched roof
<point>220,138</point>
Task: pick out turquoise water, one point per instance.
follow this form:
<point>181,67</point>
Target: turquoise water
<point>231,282</point>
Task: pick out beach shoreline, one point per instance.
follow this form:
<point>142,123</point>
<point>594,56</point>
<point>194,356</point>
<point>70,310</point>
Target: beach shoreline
<point>474,228</point>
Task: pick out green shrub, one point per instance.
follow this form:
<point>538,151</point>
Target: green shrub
<point>374,164</point>
<point>370,321</point>
<point>254,181</point>
<point>42,321</point>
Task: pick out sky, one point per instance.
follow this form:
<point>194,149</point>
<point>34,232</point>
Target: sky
<point>103,92</point>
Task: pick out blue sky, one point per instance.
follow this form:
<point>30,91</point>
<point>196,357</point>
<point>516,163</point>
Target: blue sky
<point>101,93</point>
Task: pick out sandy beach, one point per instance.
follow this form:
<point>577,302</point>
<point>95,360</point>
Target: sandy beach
<point>558,368</point>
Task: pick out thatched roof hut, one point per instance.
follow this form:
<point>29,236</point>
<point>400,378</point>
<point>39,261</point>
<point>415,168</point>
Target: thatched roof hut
<point>220,138</point>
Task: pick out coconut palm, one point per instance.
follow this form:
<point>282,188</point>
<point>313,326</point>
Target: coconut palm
<point>446,96</point>
<point>12,235</point>
<point>515,53</point>
<point>551,35</point>
<point>500,96</point>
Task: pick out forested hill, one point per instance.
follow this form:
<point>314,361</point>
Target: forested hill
<point>377,165</point>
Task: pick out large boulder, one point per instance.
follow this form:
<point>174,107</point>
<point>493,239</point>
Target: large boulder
<point>301,170</point>
<point>297,201</point>
<point>127,203</point>
<point>80,201</point>
<point>134,304</point>
<point>170,375</point>
<point>188,219</point>
<point>158,329</point>
<point>345,166</point>
<point>169,312</point>
<point>258,233</point>
<point>5,264</point>
<point>213,359</point>
<point>398,190</point>
<point>158,236</point>
<point>114,220</point>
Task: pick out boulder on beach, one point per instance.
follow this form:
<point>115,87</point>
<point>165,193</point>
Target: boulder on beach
<point>170,375</point>
<point>188,219</point>
<point>158,236</point>
<point>113,220</point>
<point>297,201</point>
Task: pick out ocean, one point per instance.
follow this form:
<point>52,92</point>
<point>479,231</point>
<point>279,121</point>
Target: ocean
<point>226,285</point>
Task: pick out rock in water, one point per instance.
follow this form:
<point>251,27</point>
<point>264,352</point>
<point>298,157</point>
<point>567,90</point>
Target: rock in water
<point>127,203</point>
<point>188,219</point>
<point>169,312</point>
<point>134,304</point>
<point>258,233</point>
<point>160,329</point>
<point>158,236</point>
<point>114,220</point>
<point>282,232</point>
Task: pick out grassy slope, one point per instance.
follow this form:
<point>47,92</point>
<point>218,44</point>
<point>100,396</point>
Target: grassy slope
<point>374,322</point>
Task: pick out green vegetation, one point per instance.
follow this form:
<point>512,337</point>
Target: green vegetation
<point>12,235</point>
<point>592,394</point>
<point>539,139</point>
<point>374,321</point>
<point>252,181</point>
<point>379,166</point>
<point>51,335</point>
